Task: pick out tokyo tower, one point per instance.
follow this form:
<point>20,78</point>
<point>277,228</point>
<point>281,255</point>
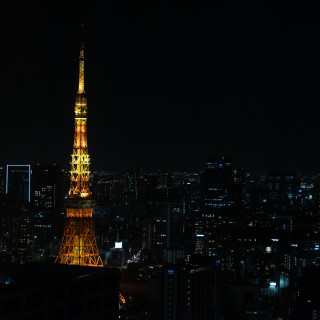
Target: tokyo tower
<point>78,246</point>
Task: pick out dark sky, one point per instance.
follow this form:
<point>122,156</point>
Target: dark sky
<point>167,85</point>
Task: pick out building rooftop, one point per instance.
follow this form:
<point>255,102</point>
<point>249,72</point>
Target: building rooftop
<point>15,277</point>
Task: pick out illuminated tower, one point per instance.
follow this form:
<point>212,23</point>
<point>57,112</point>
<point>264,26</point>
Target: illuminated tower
<point>78,246</point>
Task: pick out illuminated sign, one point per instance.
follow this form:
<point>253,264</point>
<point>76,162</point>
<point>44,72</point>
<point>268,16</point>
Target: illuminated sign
<point>118,245</point>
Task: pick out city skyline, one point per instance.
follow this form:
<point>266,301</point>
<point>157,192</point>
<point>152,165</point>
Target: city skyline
<point>203,201</point>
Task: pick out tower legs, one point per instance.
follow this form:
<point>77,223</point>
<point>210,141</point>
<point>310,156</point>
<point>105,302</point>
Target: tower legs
<point>78,246</point>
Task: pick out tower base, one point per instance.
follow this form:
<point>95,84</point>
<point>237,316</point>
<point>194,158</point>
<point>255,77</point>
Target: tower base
<point>79,246</point>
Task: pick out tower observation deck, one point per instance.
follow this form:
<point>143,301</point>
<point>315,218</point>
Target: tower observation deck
<point>78,245</point>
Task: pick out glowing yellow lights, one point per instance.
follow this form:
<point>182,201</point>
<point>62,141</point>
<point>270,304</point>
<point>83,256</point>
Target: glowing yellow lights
<point>81,70</point>
<point>78,246</point>
<point>80,161</point>
<point>79,213</point>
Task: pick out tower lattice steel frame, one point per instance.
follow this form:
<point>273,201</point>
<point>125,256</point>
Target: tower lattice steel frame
<point>78,246</point>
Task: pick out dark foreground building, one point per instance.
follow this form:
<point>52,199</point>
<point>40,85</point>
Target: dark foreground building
<point>53,291</point>
<point>183,293</point>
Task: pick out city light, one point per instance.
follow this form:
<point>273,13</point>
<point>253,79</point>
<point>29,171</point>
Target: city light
<point>192,190</point>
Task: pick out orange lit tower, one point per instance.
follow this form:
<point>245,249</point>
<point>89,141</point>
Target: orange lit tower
<point>78,246</point>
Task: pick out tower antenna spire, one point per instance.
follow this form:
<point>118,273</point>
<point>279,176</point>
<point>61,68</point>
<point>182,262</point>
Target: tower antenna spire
<point>81,69</point>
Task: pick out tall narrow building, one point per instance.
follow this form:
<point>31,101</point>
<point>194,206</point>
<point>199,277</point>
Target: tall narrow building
<point>78,246</point>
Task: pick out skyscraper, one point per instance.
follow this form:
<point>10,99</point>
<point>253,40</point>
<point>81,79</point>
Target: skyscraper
<point>16,232</point>
<point>79,245</point>
<point>167,223</point>
<point>47,201</point>
<point>218,185</point>
<point>168,227</point>
<point>18,179</point>
<point>220,192</point>
<point>46,186</point>
<point>16,224</point>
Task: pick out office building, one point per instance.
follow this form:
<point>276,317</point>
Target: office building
<point>18,180</point>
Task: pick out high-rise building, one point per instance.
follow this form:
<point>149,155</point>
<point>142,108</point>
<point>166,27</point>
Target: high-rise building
<point>284,190</point>
<point>170,236</point>
<point>16,232</point>
<point>130,183</point>
<point>46,186</point>
<point>18,180</point>
<point>47,201</point>
<point>78,246</point>
<point>168,223</point>
<point>16,223</point>
<point>220,192</point>
<point>219,187</point>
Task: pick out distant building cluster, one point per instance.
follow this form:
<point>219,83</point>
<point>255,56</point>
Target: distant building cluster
<point>221,243</point>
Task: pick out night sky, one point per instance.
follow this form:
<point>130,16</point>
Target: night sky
<point>167,85</point>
